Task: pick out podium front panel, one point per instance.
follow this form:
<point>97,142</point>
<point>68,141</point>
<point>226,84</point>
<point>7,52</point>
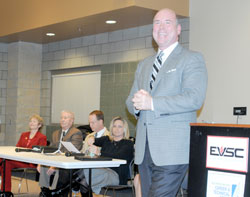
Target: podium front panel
<point>198,171</point>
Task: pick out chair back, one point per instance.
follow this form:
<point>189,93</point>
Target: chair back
<point>131,169</point>
<point>85,129</point>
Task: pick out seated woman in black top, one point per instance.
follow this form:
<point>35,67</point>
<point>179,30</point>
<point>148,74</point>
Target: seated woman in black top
<point>117,146</point>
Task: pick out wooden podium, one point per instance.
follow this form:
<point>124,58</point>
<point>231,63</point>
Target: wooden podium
<point>219,163</point>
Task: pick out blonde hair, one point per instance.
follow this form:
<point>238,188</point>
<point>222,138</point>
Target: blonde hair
<point>126,133</point>
<point>39,119</point>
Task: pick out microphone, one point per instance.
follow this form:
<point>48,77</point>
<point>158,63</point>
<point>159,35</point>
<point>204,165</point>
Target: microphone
<point>27,150</point>
<point>23,150</point>
<point>69,154</point>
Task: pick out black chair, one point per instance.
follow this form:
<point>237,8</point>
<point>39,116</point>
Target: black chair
<point>183,191</point>
<point>4,194</point>
<point>85,129</point>
<point>130,184</point>
<point>24,172</point>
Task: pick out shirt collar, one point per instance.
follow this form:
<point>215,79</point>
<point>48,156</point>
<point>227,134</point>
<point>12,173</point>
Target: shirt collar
<point>167,51</point>
<point>66,131</point>
<point>101,132</point>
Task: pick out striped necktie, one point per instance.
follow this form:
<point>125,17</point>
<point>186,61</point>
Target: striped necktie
<point>156,68</point>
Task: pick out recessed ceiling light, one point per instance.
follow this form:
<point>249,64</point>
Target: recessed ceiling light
<point>50,34</point>
<point>111,22</point>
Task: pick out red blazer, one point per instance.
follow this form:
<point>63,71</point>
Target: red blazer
<point>24,141</point>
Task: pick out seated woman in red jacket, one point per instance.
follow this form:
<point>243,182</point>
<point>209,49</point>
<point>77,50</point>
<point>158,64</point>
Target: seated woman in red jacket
<point>27,140</point>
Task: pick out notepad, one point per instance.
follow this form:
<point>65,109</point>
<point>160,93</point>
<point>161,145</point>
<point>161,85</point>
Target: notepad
<point>70,147</point>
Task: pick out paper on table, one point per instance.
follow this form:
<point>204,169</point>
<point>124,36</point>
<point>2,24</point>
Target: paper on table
<point>70,147</point>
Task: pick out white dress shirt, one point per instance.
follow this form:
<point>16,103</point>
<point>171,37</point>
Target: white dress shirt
<point>100,133</point>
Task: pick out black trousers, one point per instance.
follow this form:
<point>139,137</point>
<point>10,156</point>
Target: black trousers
<point>160,181</point>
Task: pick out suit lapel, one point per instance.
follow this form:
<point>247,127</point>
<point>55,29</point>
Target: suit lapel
<point>148,72</point>
<point>58,136</point>
<point>169,64</point>
<point>68,135</point>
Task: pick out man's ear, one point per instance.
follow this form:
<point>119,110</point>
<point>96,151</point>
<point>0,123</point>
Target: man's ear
<point>178,29</point>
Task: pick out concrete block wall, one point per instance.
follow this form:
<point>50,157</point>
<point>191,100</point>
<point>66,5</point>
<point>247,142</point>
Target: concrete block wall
<point>117,53</point>
<point>23,88</point>
<point>3,87</point>
<point>116,82</point>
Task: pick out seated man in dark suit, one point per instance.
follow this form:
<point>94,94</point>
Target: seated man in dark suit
<point>67,133</point>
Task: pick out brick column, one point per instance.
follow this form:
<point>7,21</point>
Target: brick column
<point>23,88</point>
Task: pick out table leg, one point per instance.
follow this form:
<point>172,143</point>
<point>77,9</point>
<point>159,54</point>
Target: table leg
<point>70,182</point>
<point>4,162</point>
<point>90,179</point>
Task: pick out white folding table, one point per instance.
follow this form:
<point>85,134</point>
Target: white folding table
<point>59,161</point>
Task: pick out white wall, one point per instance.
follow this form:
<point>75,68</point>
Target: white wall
<point>220,29</point>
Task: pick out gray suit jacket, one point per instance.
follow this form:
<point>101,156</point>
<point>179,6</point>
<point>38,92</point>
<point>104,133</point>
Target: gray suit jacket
<point>178,92</point>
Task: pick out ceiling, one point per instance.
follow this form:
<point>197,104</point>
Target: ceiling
<point>125,17</point>
<point>76,18</point>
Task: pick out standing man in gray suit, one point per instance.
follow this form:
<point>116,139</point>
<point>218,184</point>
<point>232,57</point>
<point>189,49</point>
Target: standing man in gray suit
<point>168,89</point>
